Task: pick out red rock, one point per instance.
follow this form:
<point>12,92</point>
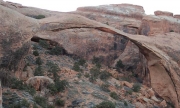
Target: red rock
<point>177,16</point>
<point>163,13</point>
<point>153,25</point>
<point>163,104</point>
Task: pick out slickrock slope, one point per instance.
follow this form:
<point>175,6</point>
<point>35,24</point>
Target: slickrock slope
<point>83,37</point>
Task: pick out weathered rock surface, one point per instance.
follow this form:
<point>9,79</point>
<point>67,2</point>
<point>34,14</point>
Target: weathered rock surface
<point>163,13</point>
<point>153,25</point>
<point>177,16</point>
<point>39,82</point>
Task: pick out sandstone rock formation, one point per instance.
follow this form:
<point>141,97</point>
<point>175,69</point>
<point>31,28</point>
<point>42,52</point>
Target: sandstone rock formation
<point>39,82</point>
<point>163,13</point>
<point>84,37</point>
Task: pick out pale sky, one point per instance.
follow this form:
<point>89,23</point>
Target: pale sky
<point>70,5</point>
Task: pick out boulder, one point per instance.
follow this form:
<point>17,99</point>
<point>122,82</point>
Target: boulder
<point>125,83</point>
<point>39,82</point>
<point>163,104</point>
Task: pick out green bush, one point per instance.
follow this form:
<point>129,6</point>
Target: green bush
<point>95,72</point>
<point>35,53</point>
<point>60,102</point>
<point>125,103</point>
<point>43,43</point>
<point>124,78</point>
<point>119,65</point>
<point>59,86</point>
<point>114,95</point>
<point>105,87</point>
<point>129,92</point>
<point>97,61</point>
<point>104,75</point>
<point>87,75</point>
<point>38,17</point>
<point>21,104</point>
<point>39,61</point>
<point>136,87</point>
<point>42,101</point>
<point>18,84</point>
<point>35,106</point>
<point>81,62</point>
<point>105,104</point>
<point>57,50</point>
<point>38,71</point>
<point>76,67</point>
<point>50,106</point>
<point>52,88</point>
<point>54,69</point>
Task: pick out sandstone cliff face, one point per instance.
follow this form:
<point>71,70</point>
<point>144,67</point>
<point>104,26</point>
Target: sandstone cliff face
<point>16,31</point>
<point>87,38</point>
<point>153,25</point>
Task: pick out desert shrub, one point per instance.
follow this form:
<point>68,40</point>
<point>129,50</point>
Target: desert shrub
<point>114,95</point>
<point>105,87</point>
<point>129,92</point>
<point>136,87</point>
<point>43,43</point>
<point>81,62</point>
<point>21,104</point>
<point>52,88</point>
<point>125,103</point>
<point>124,78</point>
<point>37,16</point>
<point>92,79</point>
<point>38,71</point>
<point>57,50</point>
<point>95,72</point>
<point>105,104</point>
<point>104,75</point>
<point>5,77</point>
<point>12,58</point>
<point>42,101</point>
<point>18,84</point>
<point>59,102</point>
<point>97,61</point>
<point>59,86</point>
<point>119,65</point>
<point>39,61</point>
<point>50,106</point>
<point>87,75</point>
<point>79,75</point>
<point>54,69</point>
<point>35,53</point>
<point>76,67</point>
<point>35,106</point>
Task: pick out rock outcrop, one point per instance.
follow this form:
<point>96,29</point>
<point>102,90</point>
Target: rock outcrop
<point>39,82</point>
<point>153,25</point>
<point>163,13</point>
